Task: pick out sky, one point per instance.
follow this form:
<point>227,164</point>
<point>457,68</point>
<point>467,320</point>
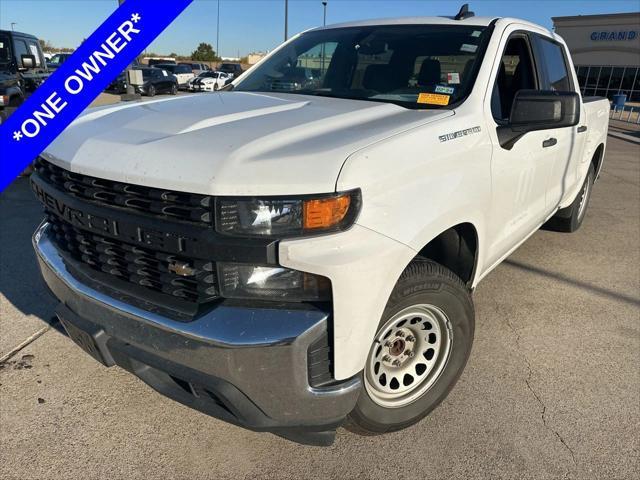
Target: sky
<point>258,25</point>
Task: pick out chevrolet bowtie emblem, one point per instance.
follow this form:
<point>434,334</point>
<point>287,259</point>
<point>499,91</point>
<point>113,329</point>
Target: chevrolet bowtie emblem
<point>181,268</point>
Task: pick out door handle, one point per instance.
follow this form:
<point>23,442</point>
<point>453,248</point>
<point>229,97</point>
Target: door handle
<point>550,142</point>
<point>582,128</point>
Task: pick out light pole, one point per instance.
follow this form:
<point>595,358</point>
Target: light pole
<point>218,31</point>
<point>324,23</point>
<point>286,20</point>
<point>130,93</point>
<point>13,24</point>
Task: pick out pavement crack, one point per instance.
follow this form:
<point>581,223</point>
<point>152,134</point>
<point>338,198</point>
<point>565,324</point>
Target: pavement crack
<point>543,406</point>
<point>15,350</point>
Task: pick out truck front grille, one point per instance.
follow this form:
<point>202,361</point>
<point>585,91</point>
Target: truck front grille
<point>140,266</point>
<point>156,202</point>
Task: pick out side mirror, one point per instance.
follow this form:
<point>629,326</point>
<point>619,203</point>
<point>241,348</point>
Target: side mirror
<point>534,110</point>
<point>28,61</point>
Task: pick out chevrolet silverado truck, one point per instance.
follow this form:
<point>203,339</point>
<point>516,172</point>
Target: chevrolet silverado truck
<point>298,252</point>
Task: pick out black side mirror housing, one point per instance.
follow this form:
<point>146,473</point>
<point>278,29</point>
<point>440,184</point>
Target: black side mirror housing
<point>28,61</point>
<point>534,110</point>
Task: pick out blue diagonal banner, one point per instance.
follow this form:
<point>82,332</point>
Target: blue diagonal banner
<point>79,80</point>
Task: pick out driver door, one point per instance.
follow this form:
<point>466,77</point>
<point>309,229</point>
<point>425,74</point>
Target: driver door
<point>520,174</point>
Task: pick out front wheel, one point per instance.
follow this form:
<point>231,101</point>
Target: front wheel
<point>420,350</point>
<point>174,89</point>
<point>151,91</point>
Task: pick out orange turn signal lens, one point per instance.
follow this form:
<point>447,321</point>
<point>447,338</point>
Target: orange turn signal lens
<point>325,212</point>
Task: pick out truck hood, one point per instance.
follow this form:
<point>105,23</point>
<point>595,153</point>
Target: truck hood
<point>229,143</point>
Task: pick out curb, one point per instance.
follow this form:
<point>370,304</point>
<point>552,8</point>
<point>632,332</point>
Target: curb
<point>624,136</point>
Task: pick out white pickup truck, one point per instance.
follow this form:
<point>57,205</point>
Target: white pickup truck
<point>299,251</point>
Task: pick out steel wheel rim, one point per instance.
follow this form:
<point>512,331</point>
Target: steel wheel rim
<point>584,196</point>
<point>408,355</point>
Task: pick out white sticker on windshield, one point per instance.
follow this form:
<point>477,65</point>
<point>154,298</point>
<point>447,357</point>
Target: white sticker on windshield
<point>453,77</point>
<point>447,90</point>
<point>1,45</point>
<point>164,72</point>
<point>476,33</point>
<point>34,52</point>
<point>468,48</point>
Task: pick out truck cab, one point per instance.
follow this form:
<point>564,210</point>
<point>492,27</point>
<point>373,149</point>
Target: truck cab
<point>299,252</point>
<point>22,68</point>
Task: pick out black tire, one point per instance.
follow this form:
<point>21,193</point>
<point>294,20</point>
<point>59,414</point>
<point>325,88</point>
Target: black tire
<point>174,89</point>
<point>570,219</point>
<point>151,91</point>
<point>422,282</point>
<point>215,87</point>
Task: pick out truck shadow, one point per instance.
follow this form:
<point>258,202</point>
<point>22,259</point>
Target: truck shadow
<point>571,281</point>
<point>20,282</point>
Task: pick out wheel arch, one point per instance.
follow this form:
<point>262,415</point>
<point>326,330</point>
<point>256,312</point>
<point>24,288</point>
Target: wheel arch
<point>597,158</point>
<point>455,248</point>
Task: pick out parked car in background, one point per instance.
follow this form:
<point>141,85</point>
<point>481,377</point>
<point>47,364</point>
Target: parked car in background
<point>119,84</point>
<point>23,68</point>
<point>210,81</point>
<point>197,68</point>
<point>234,70</point>
<point>182,72</point>
<point>295,78</point>
<point>190,83</point>
<point>157,80</point>
<point>57,60</point>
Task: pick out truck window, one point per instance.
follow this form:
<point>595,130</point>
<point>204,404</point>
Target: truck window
<point>34,49</point>
<point>21,49</point>
<point>555,66</point>
<point>516,72</point>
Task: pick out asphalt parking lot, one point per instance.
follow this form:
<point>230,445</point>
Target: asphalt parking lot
<point>552,389</point>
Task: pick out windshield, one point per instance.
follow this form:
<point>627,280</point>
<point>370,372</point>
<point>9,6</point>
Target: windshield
<point>5,53</point>
<point>416,66</point>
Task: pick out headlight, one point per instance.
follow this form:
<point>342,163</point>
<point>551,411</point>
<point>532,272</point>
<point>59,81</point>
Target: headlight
<point>287,217</point>
<point>272,283</point>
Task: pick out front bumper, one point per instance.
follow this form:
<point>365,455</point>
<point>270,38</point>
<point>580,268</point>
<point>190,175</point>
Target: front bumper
<point>247,366</point>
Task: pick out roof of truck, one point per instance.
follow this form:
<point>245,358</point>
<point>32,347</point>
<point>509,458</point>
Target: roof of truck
<point>19,34</point>
<point>479,21</point>
<point>471,21</point>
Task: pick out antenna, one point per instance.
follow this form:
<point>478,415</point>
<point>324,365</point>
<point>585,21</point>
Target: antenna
<point>464,13</point>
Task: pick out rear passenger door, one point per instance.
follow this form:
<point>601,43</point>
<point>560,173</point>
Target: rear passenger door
<point>568,151</point>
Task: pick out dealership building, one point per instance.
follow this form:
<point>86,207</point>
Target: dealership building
<point>606,52</point>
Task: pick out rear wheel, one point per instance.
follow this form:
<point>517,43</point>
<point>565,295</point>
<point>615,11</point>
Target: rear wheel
<point>570,219</point>
<point>174,89</point>
<point>420,349</point>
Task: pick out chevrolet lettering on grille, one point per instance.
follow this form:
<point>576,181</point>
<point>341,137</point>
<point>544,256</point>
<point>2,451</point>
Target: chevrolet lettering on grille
<point>108,226</point>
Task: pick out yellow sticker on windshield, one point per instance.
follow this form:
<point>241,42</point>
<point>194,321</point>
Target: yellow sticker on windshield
<point>433,99</point>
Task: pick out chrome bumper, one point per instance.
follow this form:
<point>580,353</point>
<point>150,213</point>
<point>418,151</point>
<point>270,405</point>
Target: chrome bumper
<point>247,366</point>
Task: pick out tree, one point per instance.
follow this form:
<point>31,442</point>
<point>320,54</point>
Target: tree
<point>46,46</point>
<point>205,53</point>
